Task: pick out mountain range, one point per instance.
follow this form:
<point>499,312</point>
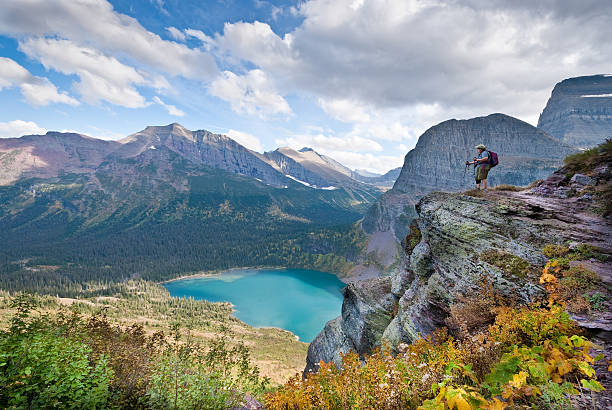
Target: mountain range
<point>168,200</point>
<point>165,201</point>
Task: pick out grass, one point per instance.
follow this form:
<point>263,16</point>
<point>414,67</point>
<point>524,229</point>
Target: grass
<point>585,163</point>
<point>276,352</point>
<point>507,187</point>
<point>474,192</point>
<point>509,264</point>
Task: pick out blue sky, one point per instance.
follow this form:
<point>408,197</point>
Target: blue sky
<point>358,80</point>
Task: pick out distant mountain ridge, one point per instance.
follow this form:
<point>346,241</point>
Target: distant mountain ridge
<point>579,111</point>
<point>386,180</point>
<point>202,147</point>
<point>49,155</point>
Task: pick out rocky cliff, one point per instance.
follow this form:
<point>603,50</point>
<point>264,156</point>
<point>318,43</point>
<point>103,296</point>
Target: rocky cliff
<point>579,111</point>
<point>460,239</point>
<point>437,163</point>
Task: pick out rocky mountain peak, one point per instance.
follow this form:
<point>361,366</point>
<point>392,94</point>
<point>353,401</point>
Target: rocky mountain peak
<point>579,110</point>
<point>437,162</point>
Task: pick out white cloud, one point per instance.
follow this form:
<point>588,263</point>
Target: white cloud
<point>100,77</point>
<point>350,150</point>
<point>245,139</point>
<point>95,24</point>
<point>379,164</point>
<point>176,34</point>
<point>207,41</point>
<point>252,93</point>
<point>460,59</point>
<point>172,110</point>
<point>345,110</point>
<point>36,90</point>
<point>320,142</point>
<point>17,128</point>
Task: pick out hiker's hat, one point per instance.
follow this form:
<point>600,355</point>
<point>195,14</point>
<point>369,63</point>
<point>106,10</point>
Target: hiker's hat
<point>480,146</point>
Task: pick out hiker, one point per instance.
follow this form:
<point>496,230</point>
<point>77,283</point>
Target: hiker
<point>481,162</point>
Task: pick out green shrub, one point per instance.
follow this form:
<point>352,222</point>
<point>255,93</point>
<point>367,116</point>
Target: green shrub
<point>41,367</point>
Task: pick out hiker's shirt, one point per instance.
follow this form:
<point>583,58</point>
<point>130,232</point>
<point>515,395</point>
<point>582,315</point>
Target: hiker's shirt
<point>483,154</point>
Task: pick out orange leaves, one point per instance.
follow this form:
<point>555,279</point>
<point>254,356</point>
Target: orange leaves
<point>551,282</point>
<point>527,352</point>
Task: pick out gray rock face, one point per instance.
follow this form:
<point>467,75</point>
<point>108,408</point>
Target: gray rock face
<point>438,163</point>
<point>367,309</point>
<point>457,234</point>
<point>579,111</point>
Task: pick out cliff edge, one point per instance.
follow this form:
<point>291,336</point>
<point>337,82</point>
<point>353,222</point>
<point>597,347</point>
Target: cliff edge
<point>461,240</point>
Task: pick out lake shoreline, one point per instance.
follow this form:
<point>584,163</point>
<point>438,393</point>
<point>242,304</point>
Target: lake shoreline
<point>219,272</point>
<point>309,299</point>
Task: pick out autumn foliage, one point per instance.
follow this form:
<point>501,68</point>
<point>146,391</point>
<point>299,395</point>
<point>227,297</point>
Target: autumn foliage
<point>507,356</point>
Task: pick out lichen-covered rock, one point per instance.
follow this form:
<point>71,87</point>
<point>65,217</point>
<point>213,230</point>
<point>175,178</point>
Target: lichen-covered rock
<point>495,236</point>
<point>367,310</point>
<point>581,179</point>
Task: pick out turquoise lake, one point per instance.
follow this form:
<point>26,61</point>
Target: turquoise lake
<point>298,300</point>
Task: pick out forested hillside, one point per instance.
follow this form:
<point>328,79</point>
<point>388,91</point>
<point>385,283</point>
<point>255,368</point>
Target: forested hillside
<point>157,216</point>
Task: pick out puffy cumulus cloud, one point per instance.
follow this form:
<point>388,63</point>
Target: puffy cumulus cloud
<point>17,128</point>
<point>467,58</point>
<point>172,110</point>
<point>208,42</point>
<point>245,139</point>
<point>252,93</point>
<point>36,90</point>
<point>96,24</point>
<point>345,110</point>
<point>258,43</point>
<point>100,77</point>
<point>176,34</point>
<point>326,143</point>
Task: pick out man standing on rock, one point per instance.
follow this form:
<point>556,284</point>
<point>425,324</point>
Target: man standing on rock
<point>481,162</point>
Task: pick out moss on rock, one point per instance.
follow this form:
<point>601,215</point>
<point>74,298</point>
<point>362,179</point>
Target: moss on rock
<point>509,264</point>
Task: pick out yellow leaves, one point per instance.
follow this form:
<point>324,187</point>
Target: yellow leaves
<point>519,380</point>
<point>564,367</point>
<point>548,278</point>
<point>456,399</point>
<point>495,404</point>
